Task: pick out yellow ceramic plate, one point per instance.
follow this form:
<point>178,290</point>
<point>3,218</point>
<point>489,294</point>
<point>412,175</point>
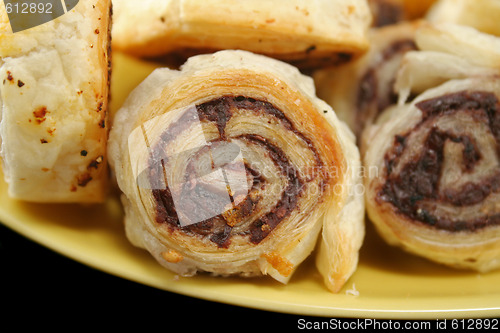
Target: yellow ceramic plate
<point>391,284</point>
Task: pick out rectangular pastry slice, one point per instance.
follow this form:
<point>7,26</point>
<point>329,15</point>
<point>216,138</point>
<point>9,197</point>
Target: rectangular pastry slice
<point>305,33</point>
<point>54,83</point>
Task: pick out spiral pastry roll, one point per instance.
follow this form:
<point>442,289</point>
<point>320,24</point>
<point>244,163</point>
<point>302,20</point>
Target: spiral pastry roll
<point>232,166</point>
<point>358,91</point>
<point>54,97</point>
<point>305,33</point>
<point>438,187</point>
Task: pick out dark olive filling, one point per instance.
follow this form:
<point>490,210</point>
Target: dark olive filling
<point>419,178</point>
<point>219,228</point>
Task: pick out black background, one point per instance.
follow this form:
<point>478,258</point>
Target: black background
<point>42,287</point>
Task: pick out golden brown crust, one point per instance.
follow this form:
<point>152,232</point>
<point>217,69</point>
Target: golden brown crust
<point>329,31</point>
<point>435,193</point>
<point>297,162</point>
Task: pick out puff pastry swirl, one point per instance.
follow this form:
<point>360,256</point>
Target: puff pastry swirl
<point>438,186</point>
<point>232,166</point>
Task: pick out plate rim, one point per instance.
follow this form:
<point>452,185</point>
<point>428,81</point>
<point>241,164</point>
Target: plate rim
<point>438,311</point>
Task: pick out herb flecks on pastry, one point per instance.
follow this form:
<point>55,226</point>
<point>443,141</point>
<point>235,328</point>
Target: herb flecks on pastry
<point>54,86</point>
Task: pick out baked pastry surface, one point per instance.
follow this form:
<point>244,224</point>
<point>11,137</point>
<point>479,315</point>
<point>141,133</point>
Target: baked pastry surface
<point>360,90</point>
<point>54,97</point>
<point>305,33</point>
<point>232,166</point>
<point>436,193</point>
